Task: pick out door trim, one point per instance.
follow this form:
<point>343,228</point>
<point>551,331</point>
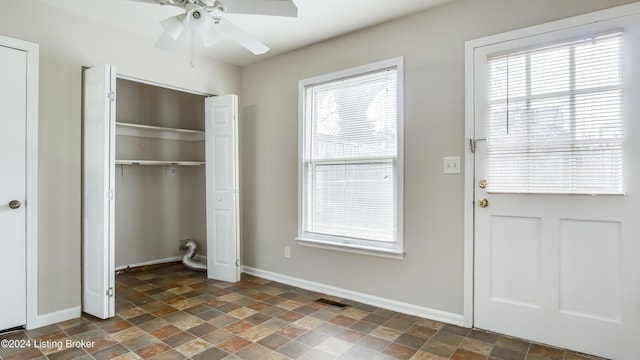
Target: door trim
<point>32,51</point>
<point>469,181</point>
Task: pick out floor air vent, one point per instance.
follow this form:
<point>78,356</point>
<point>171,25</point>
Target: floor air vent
<point>10,331</point>
<point>332,303</point>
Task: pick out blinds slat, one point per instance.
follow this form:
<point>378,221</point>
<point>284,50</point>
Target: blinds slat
<point>554,121</point>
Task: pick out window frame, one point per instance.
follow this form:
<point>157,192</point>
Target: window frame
<point>393,249</point>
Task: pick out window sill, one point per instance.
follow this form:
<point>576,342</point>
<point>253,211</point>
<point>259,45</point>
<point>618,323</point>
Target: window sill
<point>363,250</point>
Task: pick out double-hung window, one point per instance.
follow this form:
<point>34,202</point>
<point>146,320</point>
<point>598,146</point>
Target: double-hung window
<point>350,167</point>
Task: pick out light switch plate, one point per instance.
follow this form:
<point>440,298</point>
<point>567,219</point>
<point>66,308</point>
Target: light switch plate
<point>451,165</point>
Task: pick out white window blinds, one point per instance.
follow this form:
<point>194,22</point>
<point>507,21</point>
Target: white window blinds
<point>350,152</point>
<point>555,118</point>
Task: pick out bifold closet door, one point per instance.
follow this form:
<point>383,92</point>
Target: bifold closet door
<point>13,90</point>
<point>98,163</point>
<point>223,242</point>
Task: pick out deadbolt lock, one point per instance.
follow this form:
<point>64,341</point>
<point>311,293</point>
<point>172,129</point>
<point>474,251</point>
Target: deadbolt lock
<point>482,184</point>
<point>483,203</point>
<point>14,204</point>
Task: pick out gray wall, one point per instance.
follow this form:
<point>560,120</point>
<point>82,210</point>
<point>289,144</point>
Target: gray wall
<point>67,43</point>
<point>432,42</point>
<point>154,208</point>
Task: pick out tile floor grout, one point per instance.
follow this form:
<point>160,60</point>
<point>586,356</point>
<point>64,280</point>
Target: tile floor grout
<point>168,312</point>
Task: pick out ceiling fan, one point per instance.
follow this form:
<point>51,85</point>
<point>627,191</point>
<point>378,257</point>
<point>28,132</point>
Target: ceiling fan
<point>204,18</point>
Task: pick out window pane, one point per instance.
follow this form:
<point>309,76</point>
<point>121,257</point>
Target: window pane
<point>508,77</point>
<point>352,200</point>
<point>563,133</point>
<point>599,115</point>
<point>550,71</point>
<point>355,118</point>
<point>597,63</point>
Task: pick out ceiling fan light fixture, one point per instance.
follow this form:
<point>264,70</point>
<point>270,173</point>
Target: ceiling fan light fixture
<point>173,27</point>
<point>197,21</point>
<point>211,29</point>
<point>173,32</point>
<point>166,43</point>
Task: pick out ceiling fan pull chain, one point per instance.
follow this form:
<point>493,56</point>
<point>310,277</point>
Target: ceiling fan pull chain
<point>193,36</point>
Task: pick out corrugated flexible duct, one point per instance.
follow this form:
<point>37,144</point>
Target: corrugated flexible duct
<point>189,259</point>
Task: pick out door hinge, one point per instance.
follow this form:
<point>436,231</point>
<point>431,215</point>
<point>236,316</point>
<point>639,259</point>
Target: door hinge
<point>110,292</point>
<point>111,96</point>
<point>110,194</point>
<point>237,262</point>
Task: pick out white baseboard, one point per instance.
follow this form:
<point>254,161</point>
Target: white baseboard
<point>394,305</point>
<point>151,262</point>
<point>55,317</point>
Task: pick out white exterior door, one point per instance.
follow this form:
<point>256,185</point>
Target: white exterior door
<point>13,87</point>
<point>98,164</point>
<point>223,241</point>
<point>560,269</point>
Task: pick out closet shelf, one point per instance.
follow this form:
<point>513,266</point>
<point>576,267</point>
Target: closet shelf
<point>158,132</point>
<point>159,162</point>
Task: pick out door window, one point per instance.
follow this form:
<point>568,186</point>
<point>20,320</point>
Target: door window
<point>555,118</point>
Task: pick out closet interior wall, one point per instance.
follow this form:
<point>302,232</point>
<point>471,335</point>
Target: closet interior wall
<point>158,205</point>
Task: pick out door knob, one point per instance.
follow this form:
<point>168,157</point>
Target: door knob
<point>14,204</point>
<point>483,203</point>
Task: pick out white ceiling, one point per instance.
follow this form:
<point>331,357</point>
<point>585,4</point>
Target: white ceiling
<point>317,20</point>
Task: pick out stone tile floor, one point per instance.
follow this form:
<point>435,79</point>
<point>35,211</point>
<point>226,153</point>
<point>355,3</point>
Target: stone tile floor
<point>168,312</point>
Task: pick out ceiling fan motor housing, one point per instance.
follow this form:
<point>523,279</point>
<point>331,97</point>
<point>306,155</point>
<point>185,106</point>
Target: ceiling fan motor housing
<point>202,3</point>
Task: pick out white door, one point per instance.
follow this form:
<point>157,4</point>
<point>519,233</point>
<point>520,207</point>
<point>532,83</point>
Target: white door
<point>223,244</point>
<point>553,267</point>
<point>98,162</point>
<point>13,85</point>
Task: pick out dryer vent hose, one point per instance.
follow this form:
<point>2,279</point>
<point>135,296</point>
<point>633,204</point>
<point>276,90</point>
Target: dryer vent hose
<point>189,259</point>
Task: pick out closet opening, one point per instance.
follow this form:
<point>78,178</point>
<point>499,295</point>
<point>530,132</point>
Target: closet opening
<point>160,194</point>
<point>159,166</point>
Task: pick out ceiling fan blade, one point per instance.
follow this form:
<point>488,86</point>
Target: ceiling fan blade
<point>260,7</point>
<point>240,36</point>
<point>163,2</point>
